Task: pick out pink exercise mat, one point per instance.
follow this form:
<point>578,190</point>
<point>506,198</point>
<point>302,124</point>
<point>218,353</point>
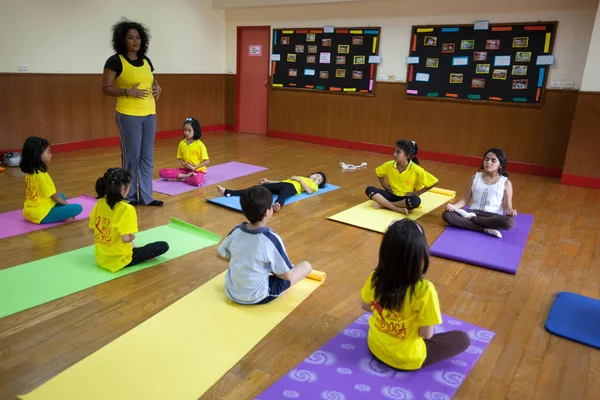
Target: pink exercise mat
<point>13,223</point>
<point>216,174</point>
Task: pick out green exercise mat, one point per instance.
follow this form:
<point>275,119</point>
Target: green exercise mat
<point>38,282</point>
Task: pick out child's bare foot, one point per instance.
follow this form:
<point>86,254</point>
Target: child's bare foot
<point>276,207</point>
<point>70,219</point>
<point>221,190</point>
<point>402,210</point>
<point>377,206</point>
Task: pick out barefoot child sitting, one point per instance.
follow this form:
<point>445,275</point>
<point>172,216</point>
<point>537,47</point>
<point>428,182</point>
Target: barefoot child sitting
<point>402,179</point>
<point>192,156</point>
<point>259,268</point>
<point>286,188</point>
<point>43,204</point>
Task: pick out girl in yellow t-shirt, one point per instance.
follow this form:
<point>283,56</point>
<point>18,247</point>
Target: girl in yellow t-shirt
<point>403,180</point>
<point>405,305</point>
<point>43,205</point>
<point>192,155</point>
<point>114,222</point>
<point>285,188</point>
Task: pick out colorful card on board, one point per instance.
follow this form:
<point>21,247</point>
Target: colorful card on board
<point>421,77</point>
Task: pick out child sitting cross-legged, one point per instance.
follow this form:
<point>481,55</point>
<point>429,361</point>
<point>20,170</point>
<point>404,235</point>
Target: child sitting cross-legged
<point>259,268</point>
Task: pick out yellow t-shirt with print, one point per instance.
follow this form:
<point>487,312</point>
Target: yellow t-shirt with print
<point>413,178</point>
<point>109,226</point>
<point>39,188</point>
<point>394,336</point>
<point>193,153</point>
<point>309,182</point>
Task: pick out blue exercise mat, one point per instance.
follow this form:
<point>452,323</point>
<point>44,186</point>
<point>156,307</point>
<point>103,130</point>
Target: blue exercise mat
<point>575,317</point>
<point>233,202</point>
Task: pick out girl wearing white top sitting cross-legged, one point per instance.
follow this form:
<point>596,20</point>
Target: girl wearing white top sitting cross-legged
<point>491,192</point>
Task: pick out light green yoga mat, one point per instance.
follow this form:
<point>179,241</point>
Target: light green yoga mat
<point>38,282</point>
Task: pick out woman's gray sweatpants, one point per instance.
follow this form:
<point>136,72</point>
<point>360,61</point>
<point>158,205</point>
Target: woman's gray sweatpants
<point>137,153</point>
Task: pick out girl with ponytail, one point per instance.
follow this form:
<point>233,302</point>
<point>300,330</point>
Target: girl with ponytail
<point>114,222</point>
<point>403,180</point>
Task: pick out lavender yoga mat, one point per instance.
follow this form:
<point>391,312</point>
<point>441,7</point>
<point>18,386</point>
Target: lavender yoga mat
<point>13,223</point>
<point>484,250</point>
<point>218,173</point>
<point>344,369</point>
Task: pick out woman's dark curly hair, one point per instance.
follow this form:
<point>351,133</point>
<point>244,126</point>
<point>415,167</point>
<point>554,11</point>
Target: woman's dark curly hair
<point>119,42</point>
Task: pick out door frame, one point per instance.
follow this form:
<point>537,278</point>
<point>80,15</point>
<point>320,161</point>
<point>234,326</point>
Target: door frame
<point>238,75</point>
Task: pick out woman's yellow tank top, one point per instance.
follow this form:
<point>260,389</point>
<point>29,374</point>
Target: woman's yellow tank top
<point>130,76</point>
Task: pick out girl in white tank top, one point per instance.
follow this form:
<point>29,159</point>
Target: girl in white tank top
<point>491,194</point>
<point>488,197</point>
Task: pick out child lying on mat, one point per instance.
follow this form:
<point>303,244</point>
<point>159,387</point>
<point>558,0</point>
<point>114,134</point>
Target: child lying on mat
<point>491,192</point>
<point>286,188</point>
<point>259,268</point>
<point>405,305</point>
<point>114,222</point>
<point>43,204</point>
<point>402,179</point>
<point>192,156</point>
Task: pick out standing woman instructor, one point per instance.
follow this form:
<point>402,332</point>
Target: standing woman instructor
<point>128,77</point>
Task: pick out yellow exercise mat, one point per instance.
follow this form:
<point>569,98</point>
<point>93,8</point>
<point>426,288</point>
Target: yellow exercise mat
<point>365,215</point>
<point>180,352</point>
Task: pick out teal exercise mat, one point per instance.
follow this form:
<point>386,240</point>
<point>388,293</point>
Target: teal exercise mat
<point>28,285</point>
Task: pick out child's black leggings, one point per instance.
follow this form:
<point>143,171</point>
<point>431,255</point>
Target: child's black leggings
<point>284,190</point>
<point>148,252</point>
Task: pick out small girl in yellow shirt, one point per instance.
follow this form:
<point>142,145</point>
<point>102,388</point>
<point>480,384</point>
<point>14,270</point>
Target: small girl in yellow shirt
<point>405,305</point>
<point>114,222</point>
<point>192,155</point>
<point>43,204</point>
<point>285,188</point>
<point>403,180</point>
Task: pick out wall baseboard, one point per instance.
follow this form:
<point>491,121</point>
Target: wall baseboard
<point>115,140</point>
<point>583,181</point>
<point>518,167</point>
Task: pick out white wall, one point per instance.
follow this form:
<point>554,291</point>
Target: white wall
<point>396,18</point>
<point>71,36</point>
<point>591,76</point>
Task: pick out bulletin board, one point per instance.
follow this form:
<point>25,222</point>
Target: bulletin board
<point>342,60</point>
<point>503,63</point>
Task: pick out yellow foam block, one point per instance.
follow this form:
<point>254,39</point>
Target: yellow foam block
<point>180,352</point>
<point>366,216</point>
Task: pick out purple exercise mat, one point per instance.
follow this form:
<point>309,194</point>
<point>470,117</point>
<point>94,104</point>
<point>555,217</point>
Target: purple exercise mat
<point>218,173</point>
<point>13,223</point>
<point>485,250</point>
<point>344,369</point>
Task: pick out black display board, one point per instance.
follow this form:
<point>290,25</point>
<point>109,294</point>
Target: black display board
<point>325,59</point>
<point>442,51</point>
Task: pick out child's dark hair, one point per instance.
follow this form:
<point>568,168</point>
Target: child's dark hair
<point>501,159</point>
<point>195,126</point>
<point>410,149</point>
<point>403,261</point>
<point>31,155</point>
<point>255,202</point>
<point>322,185</point>
<point>110,185</point>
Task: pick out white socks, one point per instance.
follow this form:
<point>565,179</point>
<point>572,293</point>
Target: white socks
<point>464,214</point>
<point>493,232</point>
<point>469,215</point>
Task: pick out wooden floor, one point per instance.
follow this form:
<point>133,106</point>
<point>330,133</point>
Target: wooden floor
<point>522,362</point>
